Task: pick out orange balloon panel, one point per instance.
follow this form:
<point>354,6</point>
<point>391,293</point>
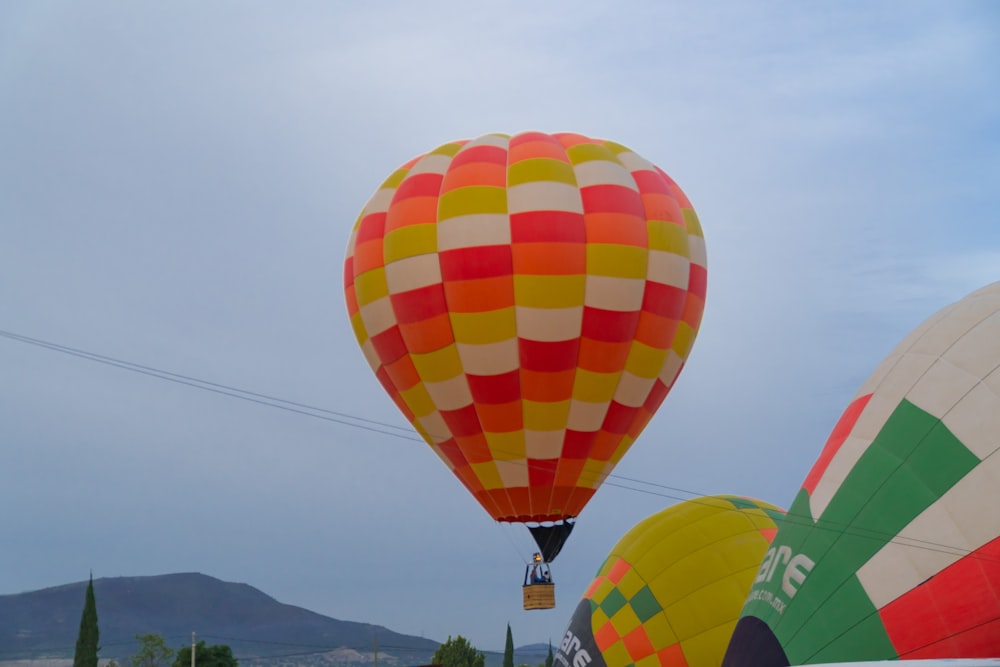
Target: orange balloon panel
<point>527,301</point>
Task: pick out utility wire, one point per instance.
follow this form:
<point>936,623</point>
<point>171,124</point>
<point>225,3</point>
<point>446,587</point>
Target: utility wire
<point>401,432</point>
<point>385,428</point>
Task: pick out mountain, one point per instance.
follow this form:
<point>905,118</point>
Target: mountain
<point>45,623</point>
<point>529,654</point>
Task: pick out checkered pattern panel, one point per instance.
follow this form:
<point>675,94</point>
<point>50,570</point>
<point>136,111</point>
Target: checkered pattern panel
<point>672,588</point>
<point>527,301</point>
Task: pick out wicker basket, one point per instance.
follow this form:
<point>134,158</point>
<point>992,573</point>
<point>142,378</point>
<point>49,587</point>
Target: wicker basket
<point>539,596</point>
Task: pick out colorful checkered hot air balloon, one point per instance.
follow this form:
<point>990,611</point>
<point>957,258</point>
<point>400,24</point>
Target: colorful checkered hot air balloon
<point>527,301</point>
<point>670,591</point>
<point>891,549</point>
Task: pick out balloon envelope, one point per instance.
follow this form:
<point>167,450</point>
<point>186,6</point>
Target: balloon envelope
<point>527,301</point>
<point>670,591</point>
<point>890,549</point>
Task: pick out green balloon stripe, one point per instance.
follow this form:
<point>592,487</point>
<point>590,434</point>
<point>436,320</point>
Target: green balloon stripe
<point>829,618</point>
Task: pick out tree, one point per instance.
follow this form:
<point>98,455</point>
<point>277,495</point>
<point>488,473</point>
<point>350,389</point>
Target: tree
<point>216,655</point>
<point>548,658</point>
<point>508,649</point>
<point>153,652</point>
<point>458,652</point>
<point>87,640</point>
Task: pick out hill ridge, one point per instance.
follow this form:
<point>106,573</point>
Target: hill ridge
<point>45,622</point>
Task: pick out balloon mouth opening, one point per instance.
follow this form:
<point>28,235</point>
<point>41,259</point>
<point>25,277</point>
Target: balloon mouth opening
<point>551,535</point>
<point>546,523</point>
<point>536,521</point>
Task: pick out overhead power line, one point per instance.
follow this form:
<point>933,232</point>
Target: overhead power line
<point>354,421</point>
<point>346,419</point>
<point>343,418</point>
<point>403,433</point>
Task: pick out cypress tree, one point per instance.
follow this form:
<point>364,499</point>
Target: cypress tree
<point>548,658</point>
<point>86,641</point>
<point>508,649</point>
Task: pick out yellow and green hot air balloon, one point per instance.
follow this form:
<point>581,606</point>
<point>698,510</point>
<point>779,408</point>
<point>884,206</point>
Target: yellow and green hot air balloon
<point>670,591</point>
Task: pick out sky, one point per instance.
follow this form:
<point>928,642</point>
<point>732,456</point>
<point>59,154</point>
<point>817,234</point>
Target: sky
<point>178,182</point>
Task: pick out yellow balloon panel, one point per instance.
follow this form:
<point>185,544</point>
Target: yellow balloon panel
<point>670,591</point>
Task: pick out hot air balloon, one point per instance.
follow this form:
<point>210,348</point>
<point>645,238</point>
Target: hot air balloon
<point>527,301</point>
<point>891,549</point>
<point>670,591</point>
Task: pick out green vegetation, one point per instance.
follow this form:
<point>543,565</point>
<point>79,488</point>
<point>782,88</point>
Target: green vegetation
<point>217,655</point>
<point>458,652</point>
<point>508,649</point>
<point>153,652</point>
<point>87,641</point>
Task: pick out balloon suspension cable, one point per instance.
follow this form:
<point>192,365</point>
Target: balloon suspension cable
<point>507,528</point>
